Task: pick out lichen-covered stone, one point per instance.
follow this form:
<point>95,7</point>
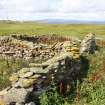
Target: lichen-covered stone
<point>14,78</point>
<point>76,56</point>
<point>35,76</point>
<point>88,44</point>
<point>15,95</point>
<point>26,83</point>
<point>25,75</point>
<point>38,70</point>
<point>76,49</point>
<point>24,70</point>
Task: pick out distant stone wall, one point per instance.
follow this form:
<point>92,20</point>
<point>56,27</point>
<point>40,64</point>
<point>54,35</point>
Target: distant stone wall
<point>42,38</point>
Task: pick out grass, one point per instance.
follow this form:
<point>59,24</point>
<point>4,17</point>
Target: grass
<point>7,67</point>
<point>8,27</point>
<point>93,88</point>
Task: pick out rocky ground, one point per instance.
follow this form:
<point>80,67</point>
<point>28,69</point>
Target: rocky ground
<point>60,61</point>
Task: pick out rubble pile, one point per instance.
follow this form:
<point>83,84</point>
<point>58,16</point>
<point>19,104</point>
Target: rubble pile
<point>20,48</point>
<point>23,49</point>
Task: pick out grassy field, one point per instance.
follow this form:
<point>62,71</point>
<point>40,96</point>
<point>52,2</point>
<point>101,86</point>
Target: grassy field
<point>31,28</point>
<point>91,91</point>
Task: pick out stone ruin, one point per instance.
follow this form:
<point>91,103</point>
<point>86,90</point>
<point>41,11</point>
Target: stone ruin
<point>62,62</point>
<point>41,47</point>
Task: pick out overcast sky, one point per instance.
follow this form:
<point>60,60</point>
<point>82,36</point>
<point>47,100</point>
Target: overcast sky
<point>52,9</point>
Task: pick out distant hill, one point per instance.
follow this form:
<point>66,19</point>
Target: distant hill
<point>67,21</point>
<point>55,21</point>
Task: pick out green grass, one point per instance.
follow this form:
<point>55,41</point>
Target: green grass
<point>7,67</point>
<point>93,87</point>
<point>31,28</point>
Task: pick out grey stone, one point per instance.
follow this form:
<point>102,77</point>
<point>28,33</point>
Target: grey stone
<point>35,76</point>
<point>19,104</point>
<point>25,75</point>
<point>24,70</point>
<point>15,95</point>
<point>17,84</point>
<point>38,70</point>
<point>24,82</point>
<point>88,44</point>
<point>31,103</point>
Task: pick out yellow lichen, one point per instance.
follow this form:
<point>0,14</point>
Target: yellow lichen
<point>74,49</point>
<point>27,82</point>
<point>76,56</point>
<point>14,78</point>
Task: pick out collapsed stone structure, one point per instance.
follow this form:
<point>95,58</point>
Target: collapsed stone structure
<point>63,65</point>
<point>22,47</point>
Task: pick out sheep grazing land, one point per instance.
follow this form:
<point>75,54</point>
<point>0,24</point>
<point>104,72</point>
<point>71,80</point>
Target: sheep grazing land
<point>50,64</point>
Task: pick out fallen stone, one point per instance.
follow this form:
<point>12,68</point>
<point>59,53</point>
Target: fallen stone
<point>26,75</point>
<point>26,83</point>
<point>24,70</point>
<point>38,70</point>
<point>31,103</point>
<point>35,76</point>
<point>15,95</point>
<point>14,78</point>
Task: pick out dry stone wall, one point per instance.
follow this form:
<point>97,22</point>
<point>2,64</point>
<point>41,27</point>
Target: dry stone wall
<point>63,63</point>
